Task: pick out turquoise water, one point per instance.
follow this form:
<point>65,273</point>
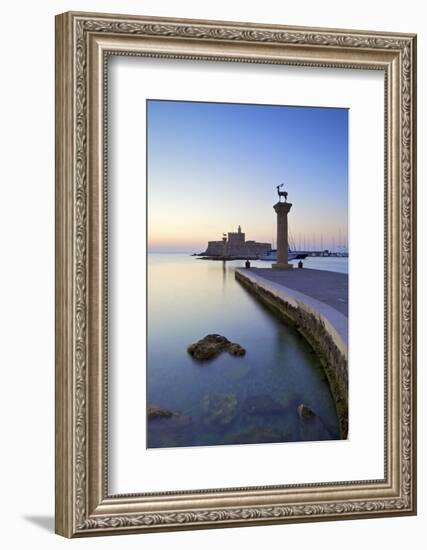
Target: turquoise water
<point>228,400</point>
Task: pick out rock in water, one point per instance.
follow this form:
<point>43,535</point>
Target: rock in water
<point>157,412</point>
<point>212,345</point>
<point>235,349</point>
<point>220,408</point>
<point>304,412</point>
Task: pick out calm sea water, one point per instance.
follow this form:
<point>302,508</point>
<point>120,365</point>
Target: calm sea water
<point>228,400</point>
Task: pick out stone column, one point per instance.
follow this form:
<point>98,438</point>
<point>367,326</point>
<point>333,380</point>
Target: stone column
<point>282,209</point>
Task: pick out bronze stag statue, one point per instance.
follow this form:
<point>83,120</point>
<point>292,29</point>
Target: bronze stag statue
<point>281,193</point>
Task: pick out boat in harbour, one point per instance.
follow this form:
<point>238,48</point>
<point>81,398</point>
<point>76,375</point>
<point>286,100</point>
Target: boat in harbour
<point>271,255</point>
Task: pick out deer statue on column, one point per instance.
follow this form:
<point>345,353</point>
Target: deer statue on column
<point>281,193</point>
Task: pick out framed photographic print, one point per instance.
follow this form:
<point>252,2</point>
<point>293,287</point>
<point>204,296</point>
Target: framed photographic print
<point>235,274</point>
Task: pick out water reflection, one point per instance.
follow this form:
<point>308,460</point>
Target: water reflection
<point>224,272</point>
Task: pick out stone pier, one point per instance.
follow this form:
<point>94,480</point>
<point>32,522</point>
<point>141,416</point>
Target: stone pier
<point>316,303</point>
<point>282,210</point>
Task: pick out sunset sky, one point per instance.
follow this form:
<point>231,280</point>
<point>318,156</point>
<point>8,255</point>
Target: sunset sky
<point>213,166</point>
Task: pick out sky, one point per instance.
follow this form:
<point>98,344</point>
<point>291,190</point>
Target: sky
<point>214,166</point>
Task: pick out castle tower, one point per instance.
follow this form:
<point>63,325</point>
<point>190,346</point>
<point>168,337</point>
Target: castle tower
<point>236,238</point>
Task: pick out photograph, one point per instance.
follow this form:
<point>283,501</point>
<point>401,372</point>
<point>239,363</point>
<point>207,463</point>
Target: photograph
<point>235,270</point>
<point>247,273</point>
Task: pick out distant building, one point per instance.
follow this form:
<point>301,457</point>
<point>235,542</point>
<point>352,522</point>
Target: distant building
<point>235,245</point>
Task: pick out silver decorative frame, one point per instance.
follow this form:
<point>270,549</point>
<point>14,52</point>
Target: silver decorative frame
<point>83,505</point>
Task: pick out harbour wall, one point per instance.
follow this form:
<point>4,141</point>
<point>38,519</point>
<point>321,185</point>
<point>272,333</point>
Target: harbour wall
<point>324,328</point>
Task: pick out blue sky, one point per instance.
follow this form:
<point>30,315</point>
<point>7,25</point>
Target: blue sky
<point>213,166</point>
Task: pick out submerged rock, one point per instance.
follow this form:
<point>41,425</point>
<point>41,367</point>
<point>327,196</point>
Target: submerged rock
<point>212,345</point>
<point>220,408</point>
<point>261,405</point>
<point>174,431</point>
<point>157,412</point>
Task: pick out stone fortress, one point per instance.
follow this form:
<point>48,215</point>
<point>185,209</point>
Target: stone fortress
<point>234,245</point>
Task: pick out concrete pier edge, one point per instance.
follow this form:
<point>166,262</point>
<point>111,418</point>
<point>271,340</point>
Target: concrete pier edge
<point>324,328</point>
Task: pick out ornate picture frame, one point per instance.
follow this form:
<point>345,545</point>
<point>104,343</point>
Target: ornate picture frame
<point>84,506</point>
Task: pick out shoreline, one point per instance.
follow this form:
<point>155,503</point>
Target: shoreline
<point>324,328</point>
